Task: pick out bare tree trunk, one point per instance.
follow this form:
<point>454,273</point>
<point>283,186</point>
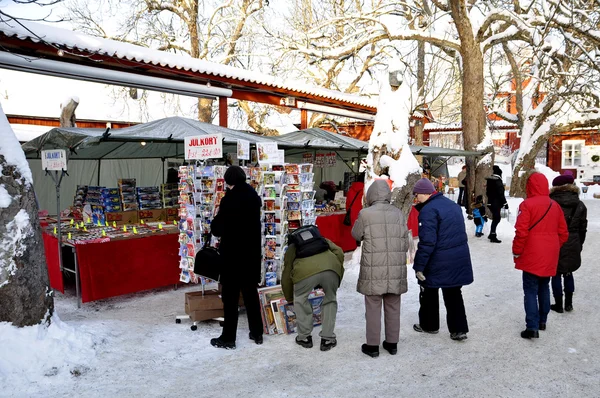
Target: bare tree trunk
<point>67,114</point>
<point>473,113</point>
<point>525,165</point>
<point>25,295</point>
<point>255,122</point>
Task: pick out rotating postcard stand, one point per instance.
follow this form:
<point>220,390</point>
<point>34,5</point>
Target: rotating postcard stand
<point>200,189</point>
<point>54,163</point>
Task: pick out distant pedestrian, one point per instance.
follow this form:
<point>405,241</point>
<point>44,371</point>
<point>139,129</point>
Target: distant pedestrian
<point>442,261</point>
<point>311,261</point>
<point>566,194</point>
<point>382,278</point>
<point>494,190</point>
<point>462,180</point>
<point>541,230</point>
<point>354,198</point>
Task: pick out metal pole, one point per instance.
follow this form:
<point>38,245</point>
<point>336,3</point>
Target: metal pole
<point>77,278</point>
<point>57,185</point>
<point>99,163</point>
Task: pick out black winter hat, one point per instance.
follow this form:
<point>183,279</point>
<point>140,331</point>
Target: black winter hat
<point>235,175</point>
<point>497,170</point>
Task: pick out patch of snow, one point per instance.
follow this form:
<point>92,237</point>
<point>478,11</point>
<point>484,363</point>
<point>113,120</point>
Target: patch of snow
<point>37,354</point>
<point>572,350</point>
<point>68,99</point>
<point>401,168</point>
<point>11,149</point>
<point>5,198</point>
<point>548,172</point>
<point>16,231</point>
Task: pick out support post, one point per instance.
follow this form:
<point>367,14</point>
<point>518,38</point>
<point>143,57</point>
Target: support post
<point>223,111</point>
<point>57,180</point>
<point>303,119</point>
<point>98,179</point>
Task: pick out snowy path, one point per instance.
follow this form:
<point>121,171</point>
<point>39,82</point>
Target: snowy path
<point>140,351</point>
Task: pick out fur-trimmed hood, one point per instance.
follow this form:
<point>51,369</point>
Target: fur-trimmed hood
<point>567,196</point>
<point>566,188</point>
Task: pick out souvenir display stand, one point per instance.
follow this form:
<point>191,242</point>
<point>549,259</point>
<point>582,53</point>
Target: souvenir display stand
<point>201,189</point>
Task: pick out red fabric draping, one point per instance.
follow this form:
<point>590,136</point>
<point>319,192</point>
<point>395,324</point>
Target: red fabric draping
<point>51,249</point>
<point>127,266</point>
<point>332,227</point>
<point>355,191</point>
<point>413,221</point>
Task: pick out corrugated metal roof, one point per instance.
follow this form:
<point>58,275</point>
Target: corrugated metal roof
<point>64,38</point>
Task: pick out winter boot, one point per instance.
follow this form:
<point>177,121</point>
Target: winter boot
<point>418,328</point>
<point>558,307</point>
<point>257,339</point>
<point>494,238</point>
<point>530,334</point>
<point>542,326</point>
<point>458,336</point>
<point>568,302</point>
<point>370,350</point>
<point>392,348</point>
<point>328,344</point>
<point>220,343</point>
<point>306,343</point>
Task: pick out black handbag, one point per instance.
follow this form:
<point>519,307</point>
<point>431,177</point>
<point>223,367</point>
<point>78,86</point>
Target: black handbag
<point>208,263</point>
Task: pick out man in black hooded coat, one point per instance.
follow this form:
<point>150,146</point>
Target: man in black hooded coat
<point>238,225</point>
<point>494,190</point>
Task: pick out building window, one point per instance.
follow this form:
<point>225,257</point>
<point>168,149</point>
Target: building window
<point>571,153</point>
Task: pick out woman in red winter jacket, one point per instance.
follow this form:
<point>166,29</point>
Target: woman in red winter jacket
<point>540,232</point>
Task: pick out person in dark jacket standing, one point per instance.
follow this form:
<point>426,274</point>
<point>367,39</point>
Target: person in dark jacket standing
<point>461,187</point>
<point>494,190</point>
<point>442,261</point>
<point>238,225</point>
<point>566,194</point>
<point>540,231</point>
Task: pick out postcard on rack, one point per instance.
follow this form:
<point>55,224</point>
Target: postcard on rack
<point>184,277</point>
<point>220,185</point>
<point>306,168</point>
<point>269,178</point>
<point>292,169</point>
<point>293,205</point>
<point>270,229</point>
<point>291,179</point>
<point>269,218</point>
<point>293,196</point>
<point>289,316</point>
<point>269,204</point>
<point>220,172</point>
<point>306,177</point>
<point>308,195</point>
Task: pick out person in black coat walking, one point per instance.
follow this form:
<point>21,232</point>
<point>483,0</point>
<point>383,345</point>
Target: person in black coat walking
<point>566,194</point>
<point>494,190</point>
<point>238,225</point>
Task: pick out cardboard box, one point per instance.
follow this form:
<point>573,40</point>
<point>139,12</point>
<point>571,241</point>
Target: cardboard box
<point>195,301</point>
<point>204,315</point>
<point>172,214</point>
<point>153,215</point>
<point>123,217</point>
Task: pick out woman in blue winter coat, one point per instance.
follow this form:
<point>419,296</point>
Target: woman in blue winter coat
<point>442,261</point>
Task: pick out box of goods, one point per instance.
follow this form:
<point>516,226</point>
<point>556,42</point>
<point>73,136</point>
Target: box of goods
<point>80,195</point>
<point>172,214</point>
<point>169,195</point>
<point>152,215</point>
<point>123,217</point>
<point>149,198</point>
<point>94,196</point>
<point>128,194</point>
<point>98,216</point>
<point>203,307</point>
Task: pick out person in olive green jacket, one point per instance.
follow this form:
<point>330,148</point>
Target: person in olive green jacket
<point>300,277</point>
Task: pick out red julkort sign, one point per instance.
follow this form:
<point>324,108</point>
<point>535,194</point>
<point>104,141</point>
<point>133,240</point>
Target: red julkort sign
<point>204,147</point>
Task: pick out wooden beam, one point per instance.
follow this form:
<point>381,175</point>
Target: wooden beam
<point>252,96</point>
<point>223,111</point>
<point>303,119</point>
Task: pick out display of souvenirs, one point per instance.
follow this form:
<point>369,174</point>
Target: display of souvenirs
<point>198,200</point>
<point>169,195</point>
<point>128,194</point>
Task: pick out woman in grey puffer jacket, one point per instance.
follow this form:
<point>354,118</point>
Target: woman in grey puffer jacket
<point>382,229</point>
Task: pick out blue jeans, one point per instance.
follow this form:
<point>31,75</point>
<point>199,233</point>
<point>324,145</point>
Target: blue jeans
<point>537,300</point>
<point>557,284</point>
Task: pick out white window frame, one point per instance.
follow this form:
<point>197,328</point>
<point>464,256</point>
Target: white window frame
<point>573,144</point>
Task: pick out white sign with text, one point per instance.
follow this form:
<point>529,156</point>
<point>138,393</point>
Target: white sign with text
<point>243,149</point>
<point>55,159</point>
<point>204,147</point>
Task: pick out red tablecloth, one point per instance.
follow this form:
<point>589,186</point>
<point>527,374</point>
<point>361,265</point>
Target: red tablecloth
<point>51,249</point>
<point>125,266</point>
<point>332,227</point>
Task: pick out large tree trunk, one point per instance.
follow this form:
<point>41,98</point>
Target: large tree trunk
<point>472,112</point>
<point>524,165</point>
<point>205,108</point>
<point>67,114</point>
<point>25,295</point>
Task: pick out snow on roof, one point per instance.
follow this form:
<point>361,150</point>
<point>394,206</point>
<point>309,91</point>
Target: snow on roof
<point>37,32</point>
<point>27,132</point>
<point>458,126</point>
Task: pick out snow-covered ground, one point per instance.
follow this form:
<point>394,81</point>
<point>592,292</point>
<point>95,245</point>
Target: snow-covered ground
<point>131,346</point>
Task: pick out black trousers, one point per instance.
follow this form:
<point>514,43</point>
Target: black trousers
<point>461,197</point>
<point>230,295</point>
<point>429,313</point>
<point>496,217</point>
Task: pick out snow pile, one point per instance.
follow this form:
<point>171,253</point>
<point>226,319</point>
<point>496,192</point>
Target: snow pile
<point>68,99</point>
<point>401,168</point>
<point>16,232</point>
<point>5,198</point>
<point>11,150</point>
<point>34,353</point>
<point>548,172</point>
<point>354,263</point>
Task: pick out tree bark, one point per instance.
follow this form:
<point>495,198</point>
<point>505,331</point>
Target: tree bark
<point>67,114</point>
<point>25,294</point>
<point>472,112</point>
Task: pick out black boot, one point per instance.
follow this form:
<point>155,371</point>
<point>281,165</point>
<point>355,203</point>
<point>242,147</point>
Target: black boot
<point>494,239</point>
<point>392,348</point>
<point>530,334</point>
<point>558,307</point>
<point>370,350</point>
<point>568,302</point>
